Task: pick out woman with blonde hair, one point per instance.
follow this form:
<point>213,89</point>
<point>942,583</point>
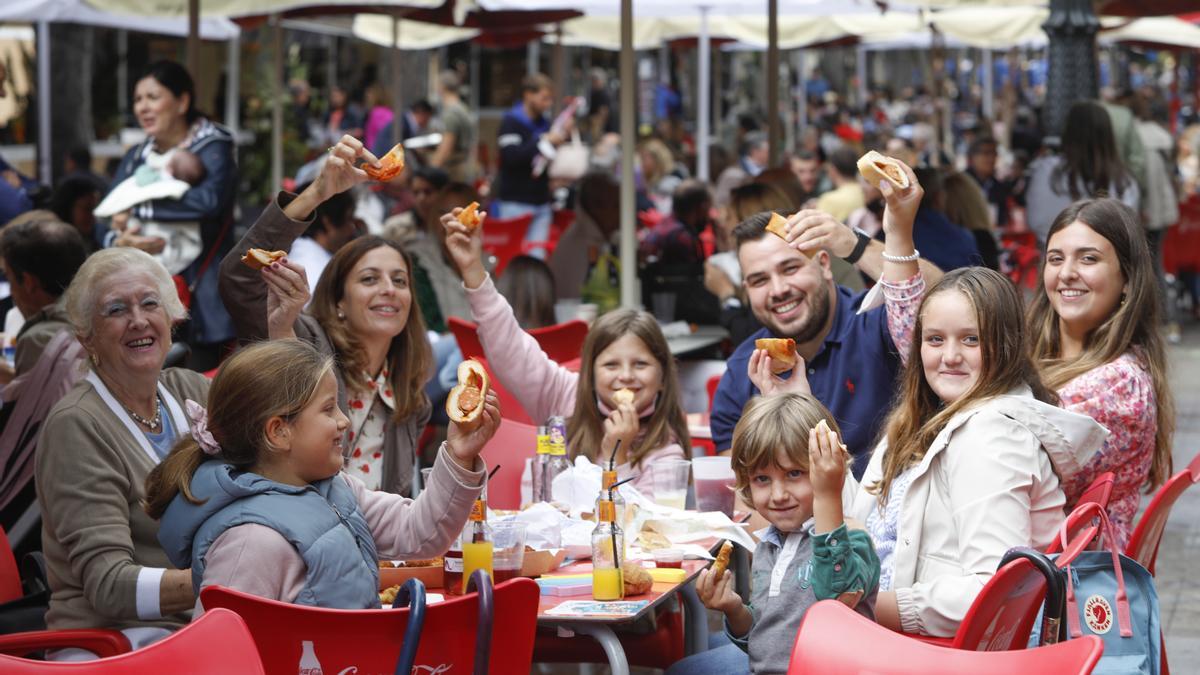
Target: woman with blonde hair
<point>966,206</point>
<point>1098,342</point>
<point>362,314</point>
<point>659,175</point>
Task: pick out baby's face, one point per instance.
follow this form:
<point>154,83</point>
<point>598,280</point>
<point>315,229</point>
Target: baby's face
<point>187,167</point>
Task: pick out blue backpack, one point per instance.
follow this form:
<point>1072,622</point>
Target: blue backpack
<point>1112,597</point>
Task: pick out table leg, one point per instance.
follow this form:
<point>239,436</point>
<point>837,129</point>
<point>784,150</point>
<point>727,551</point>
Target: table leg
<point>608,641</point>
<point>695,620</point>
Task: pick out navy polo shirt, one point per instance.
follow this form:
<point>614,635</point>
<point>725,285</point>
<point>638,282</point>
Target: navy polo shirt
<point>854,374</point>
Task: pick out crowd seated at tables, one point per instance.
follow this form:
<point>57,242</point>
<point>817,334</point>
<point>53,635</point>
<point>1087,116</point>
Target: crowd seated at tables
<point>932,418</point>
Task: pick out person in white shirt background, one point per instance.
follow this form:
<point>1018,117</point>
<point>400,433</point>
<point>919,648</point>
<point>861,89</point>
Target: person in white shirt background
<point>333,227</point>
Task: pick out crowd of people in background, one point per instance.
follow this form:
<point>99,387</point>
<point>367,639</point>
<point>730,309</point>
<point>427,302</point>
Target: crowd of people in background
<point>1015,290</point>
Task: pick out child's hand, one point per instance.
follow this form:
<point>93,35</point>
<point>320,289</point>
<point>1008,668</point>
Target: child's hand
<point>464,445</point>
<point>826,461</point>
<point>287,294</point>
<point>759,370</point>
<point>621,425</point>
<point>466,247</point>
<point>718,594</point>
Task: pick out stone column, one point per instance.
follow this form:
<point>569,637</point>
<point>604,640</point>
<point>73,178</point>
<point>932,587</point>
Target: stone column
<point>1072,73</point>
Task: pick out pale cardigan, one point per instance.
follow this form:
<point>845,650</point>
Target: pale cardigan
<point>987,483</point>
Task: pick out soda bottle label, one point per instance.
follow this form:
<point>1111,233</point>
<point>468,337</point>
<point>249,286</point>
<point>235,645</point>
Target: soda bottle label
<point>607,512</point>
<point>453,564</point>
<point>558,435</point>
<point>544,446</point>
<point>608,479</point>
<point>478,511</point>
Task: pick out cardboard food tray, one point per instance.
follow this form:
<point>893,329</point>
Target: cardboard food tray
<point>537,563</point>
<point>430,575</point>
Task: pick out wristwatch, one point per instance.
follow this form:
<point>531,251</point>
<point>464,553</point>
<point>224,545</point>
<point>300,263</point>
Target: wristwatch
<point>732,302</point>
<point>863,240</point>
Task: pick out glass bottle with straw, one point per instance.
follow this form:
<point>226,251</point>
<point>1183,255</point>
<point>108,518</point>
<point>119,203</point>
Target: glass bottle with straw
<point>608,479</point>
<point>608,549</point>
<point>477,546</point>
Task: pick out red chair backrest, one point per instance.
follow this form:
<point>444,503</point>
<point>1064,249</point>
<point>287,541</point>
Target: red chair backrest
<point>513,443</point>
<point>1143,543</point>
<point>710,388</point>
<point>510,407</point>
<point>217,643</point>
<point>502,237</point>
<point>562,342</point>
<point>10,574</point>
<point>830,631</point>
<point>369,640</point>
<point>1002,616</point>
<point>1081,529</point>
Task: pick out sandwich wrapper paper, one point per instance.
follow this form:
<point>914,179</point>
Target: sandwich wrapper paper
<point>577,489</point>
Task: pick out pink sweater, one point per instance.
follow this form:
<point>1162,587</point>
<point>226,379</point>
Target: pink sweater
<point>258,560</point>
<point>543,387</point>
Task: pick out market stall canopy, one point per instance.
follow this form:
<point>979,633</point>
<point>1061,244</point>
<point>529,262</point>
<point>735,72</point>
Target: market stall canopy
<point>413,35</point>
<point>238,8</point>
<point>133,18</point>
<point>992,27</point>
<point>1166,31</point>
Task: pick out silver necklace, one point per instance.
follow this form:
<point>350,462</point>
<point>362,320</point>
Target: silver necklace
<point>151,423</point>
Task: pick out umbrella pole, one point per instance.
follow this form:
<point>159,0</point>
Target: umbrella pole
<point>703,98</point>
<point>989,101</point>
<point>394,74</point>
<point>193,39</point>
<point>233,85</point>
<point>276,104</point>
<point>773,141</point>
<point>123,75</point>
<point>629,294</point>
<point>43,97</point>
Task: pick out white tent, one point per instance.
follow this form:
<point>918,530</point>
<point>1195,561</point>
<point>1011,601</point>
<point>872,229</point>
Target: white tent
<point>237,8</point>
<point>413,35</point>
<point>1159,30</point>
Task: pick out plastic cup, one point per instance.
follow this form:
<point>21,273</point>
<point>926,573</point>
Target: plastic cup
<point>668,557</point>
<point>587,311</point>
<point>508,536</point>
<point>714,484</point>
<point>671,481</point>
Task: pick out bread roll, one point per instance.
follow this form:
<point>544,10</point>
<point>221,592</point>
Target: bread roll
<point>781,350</point>
<point>876,167</point>
<point>257,258</point>
<point>469,216</point>
<point>464,405</point>
<point>722,561</point>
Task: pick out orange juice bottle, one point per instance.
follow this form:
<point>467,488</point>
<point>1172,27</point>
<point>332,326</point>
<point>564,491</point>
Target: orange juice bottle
<point>477,548</point>
<point>608,551</point>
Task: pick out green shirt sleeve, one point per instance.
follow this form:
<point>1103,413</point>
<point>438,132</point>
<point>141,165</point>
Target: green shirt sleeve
<point>844,561</point>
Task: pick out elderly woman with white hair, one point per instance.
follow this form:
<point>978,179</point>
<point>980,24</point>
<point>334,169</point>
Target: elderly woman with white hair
<point>99,442</point>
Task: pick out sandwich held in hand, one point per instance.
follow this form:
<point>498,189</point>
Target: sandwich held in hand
<point>875,167</point>
<point>390,165</point>
<point>257,258</point>
<point>722,562</point>
<point>777,226</point>
<point>469,216</point>
<point>623,396</point>
<point>781,350</point>
<point>464,405</point>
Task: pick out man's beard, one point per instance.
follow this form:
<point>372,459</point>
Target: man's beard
<point>818,314</point>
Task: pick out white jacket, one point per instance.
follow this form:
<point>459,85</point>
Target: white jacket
<point>983,487</point>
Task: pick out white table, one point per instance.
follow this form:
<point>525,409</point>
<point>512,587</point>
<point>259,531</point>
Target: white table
<point>702,338</point>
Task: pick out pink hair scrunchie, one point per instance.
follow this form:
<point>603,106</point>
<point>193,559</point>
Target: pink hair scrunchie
<point>200,432</point>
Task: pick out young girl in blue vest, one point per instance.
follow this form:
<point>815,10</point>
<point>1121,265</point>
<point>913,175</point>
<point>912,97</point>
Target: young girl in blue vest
<point>256,500</point>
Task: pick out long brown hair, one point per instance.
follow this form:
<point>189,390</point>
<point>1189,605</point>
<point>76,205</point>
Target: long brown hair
<point>267,379</point>
<point>919,414</point>
<point>409,356</point>
<point>1134,324</point>
<point>585,429</point>
<point>1089,154</point>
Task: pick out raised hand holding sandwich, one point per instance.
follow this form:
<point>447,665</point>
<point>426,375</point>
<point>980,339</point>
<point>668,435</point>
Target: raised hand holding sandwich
<point>340,172</point>
<point>767,363</point>
<point>465,440</point>
<point>465,243</point>
<point>287,296</point>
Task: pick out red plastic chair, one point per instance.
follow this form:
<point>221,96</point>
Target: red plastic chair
<point>562,342</point>
<point>369,640</point>
<point>835,640</point>
<point>513,443</point>
<point>10,574</point>
<point>217,643</point>
<point>1082,530</point>
<point>504,237</point>
<point>1147,535</point>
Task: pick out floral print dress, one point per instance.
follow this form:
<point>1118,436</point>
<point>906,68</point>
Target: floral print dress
<point>1120,396</point>
<point>369,411</point>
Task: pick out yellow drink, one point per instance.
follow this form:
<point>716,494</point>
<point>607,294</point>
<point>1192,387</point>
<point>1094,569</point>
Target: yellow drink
<point>607,584</point>
<point>675,500</point>
<point>476,556</point>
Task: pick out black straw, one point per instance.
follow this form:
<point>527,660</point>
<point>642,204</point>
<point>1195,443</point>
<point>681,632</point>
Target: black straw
<point>612,458</point>
<point>494,470</point>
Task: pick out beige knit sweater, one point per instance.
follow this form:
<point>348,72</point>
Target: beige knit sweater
<point>91,474</point>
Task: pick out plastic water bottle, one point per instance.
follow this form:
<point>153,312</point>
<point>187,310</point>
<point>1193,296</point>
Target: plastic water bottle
<point>309,665</point>
<point>540,461</point>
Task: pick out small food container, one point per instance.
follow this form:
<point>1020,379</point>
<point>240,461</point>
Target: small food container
<point>671,558</point>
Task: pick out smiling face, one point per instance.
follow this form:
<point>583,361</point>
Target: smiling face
<point>131,331</point>
<point>1082,278</point>
<point>789,292</point>
<point>377,296</point>
<point>950,348</point>
<point>316,436</point>
<point>158,111</point>
<point>627,363</point>
<point>782,493</point>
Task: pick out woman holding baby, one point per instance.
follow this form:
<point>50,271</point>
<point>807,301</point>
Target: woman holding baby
<point>191,231</point>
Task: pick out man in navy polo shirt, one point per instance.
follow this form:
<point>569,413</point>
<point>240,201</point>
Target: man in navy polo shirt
<point>848,359</point>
